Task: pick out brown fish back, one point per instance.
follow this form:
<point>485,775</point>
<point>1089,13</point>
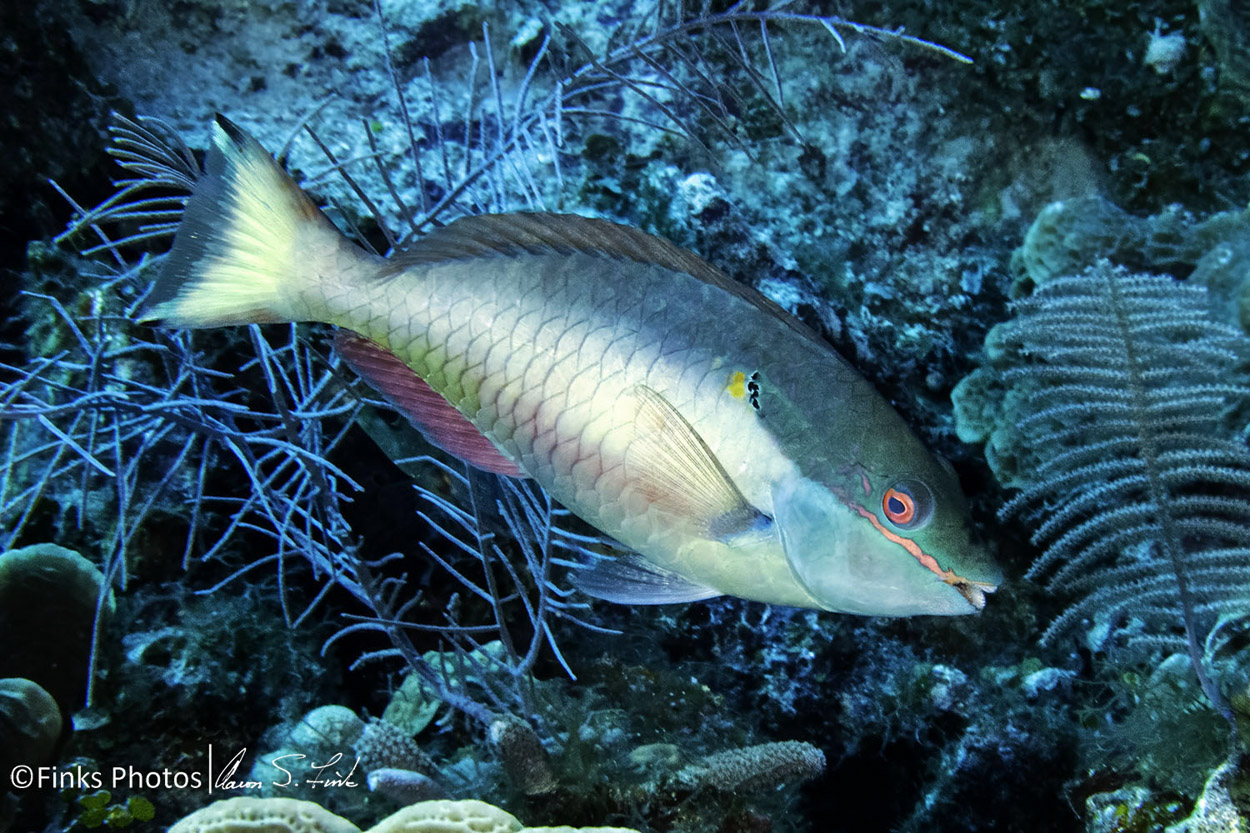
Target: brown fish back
<point>509,235</point>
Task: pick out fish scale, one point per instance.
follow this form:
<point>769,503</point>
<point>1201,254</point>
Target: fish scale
<point>675,410</point>
<point>550,406</point>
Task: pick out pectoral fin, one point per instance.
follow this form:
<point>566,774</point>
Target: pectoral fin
<point>680,475</point>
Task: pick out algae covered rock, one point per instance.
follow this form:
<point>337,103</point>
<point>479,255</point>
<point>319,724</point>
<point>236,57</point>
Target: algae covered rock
<point>1226,26</point>
<point>1068,235</point>
<point>1071,235</point>
<point>412,706</point>
<point>327,728</point>
<point>1225,271</point>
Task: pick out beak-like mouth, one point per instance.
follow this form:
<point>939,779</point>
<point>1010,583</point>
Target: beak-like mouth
<point>974,592</point>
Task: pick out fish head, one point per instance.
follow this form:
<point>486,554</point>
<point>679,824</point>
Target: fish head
<point>895,540</point>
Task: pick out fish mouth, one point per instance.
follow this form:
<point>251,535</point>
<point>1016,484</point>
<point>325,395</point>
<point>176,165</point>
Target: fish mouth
<point>974,592</point>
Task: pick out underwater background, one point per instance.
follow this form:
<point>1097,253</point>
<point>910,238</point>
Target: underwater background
<point>219,548</point>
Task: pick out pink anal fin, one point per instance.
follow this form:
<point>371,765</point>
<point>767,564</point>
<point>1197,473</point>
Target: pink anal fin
<point>424,407</point>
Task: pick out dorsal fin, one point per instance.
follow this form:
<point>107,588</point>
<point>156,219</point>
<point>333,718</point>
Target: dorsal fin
<point>505,235</point>
<point>424,407</point>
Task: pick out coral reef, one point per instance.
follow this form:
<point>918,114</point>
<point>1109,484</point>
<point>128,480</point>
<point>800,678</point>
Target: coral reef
<point>286,815</point>
<point>521,752</point>
<point>333,744</point>
<point>762,767</point>
<point>1223,805</point>
<point>1069,236</point>
<point>404,786</point>
<point>1112,393</point>
<point>234,815</point>
<point>1223,24</point>
<point>327,728</point>
<point>382,745</point>
<point>30,725</point>
<point>412,705</point>
<point>876,191</point>
<point>49,597</point>
<point>450,816</point>
<point>57,108</point>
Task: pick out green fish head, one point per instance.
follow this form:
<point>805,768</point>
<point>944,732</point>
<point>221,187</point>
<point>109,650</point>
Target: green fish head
<point>885,543</point>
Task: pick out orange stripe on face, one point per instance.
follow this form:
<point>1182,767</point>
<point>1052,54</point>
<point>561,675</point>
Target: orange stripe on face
<point>912,547</point>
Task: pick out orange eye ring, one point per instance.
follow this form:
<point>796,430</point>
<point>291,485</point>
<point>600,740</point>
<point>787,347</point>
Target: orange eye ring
<point>899,507</point>
<point>908,504</point>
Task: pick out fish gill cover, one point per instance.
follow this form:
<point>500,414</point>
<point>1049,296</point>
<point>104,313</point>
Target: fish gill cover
<point>251,460</point>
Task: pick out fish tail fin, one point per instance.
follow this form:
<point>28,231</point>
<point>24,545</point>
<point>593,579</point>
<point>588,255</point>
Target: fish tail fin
<point>248,238</point>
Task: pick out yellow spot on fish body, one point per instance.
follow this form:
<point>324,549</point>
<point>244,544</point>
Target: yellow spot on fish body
<point>737,386</point>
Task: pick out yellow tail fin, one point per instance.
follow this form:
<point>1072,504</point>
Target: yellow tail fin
<point>245,243</point>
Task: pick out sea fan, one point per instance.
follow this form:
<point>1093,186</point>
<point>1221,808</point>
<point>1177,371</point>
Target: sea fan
<point>1142,485</point>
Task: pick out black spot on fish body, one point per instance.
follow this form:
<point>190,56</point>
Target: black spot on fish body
<point>753,392</point>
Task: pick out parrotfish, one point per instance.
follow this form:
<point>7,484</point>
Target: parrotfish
<point>681,413</point>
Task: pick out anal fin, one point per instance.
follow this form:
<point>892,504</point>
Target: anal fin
<point>424,407</point>
<point>631,579</point>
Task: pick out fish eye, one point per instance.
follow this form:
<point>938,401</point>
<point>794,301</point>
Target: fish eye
<point>908,504</point>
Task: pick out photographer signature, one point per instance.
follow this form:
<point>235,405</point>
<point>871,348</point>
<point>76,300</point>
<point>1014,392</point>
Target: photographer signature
<point>312,775</point>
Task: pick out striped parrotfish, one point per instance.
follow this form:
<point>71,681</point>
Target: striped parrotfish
<point>679,412</point>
